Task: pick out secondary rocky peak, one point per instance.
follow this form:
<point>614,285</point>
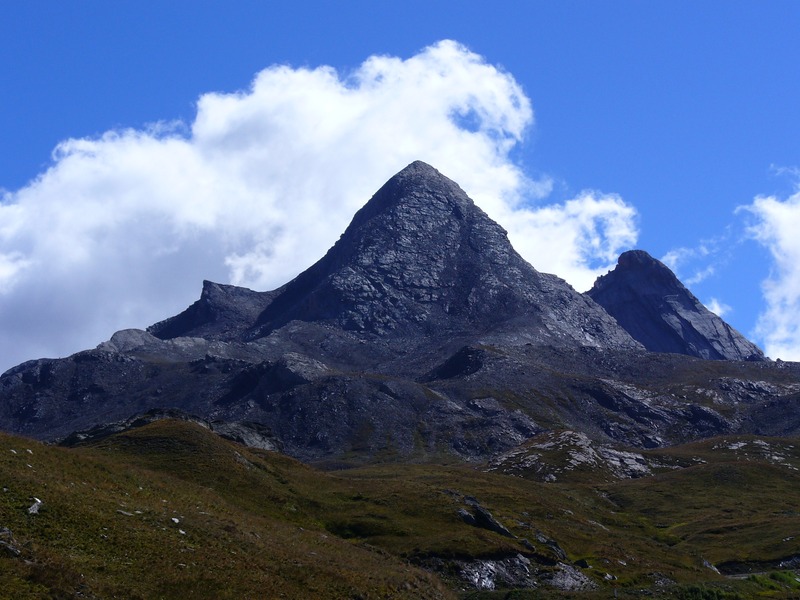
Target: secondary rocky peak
<point>655,308</point>
<point>222,312</point>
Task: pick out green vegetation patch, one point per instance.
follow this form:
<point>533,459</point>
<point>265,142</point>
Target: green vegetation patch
<point>169,510</point>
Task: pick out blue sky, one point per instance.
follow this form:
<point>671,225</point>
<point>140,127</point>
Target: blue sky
<point>647,124</point>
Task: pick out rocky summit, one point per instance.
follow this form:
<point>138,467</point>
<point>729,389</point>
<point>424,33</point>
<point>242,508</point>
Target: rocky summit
<point>422,333</point>
<point>649,302</point>
<point>420,258</point>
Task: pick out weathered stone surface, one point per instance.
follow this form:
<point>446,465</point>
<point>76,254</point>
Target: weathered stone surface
<point>569,578</point>
<point>421,258</point>
<point>223,312</point>
<point>513,572</point>
<point>646,298</point>
<point>550,456</point>
<point>8,542</point>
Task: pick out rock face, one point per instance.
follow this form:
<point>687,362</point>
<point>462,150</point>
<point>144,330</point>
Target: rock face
<point>420,333</point>
<point>646,298</point>
<point>252,435</point>
<point>223,312</point>
<point>419,258</point>
<point>551,456</point>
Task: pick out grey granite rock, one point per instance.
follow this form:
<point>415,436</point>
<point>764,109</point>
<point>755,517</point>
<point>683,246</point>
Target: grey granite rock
<point>421,258</point>
<point>646,298</point>
<point>223,312</point>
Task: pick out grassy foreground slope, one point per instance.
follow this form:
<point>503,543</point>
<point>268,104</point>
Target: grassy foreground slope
<point>170,510</point>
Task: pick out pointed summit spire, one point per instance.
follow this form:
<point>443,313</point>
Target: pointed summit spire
<point>652,305</point>
<point>421,257</point>
<point>419,248</point>
<point>417,180</point>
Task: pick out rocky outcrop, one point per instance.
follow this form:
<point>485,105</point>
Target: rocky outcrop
<point>8,543</point>
<point>223,312</point>
<point>253,435</point>
<point>481,517</point>
<point>513,572</point>
<point>555,456</point>
<point>652,305</point>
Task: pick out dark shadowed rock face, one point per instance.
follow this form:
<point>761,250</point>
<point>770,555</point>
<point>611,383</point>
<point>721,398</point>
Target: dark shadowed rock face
<point>223,312</point>
<point>421,257</point>
<point>646,298</point>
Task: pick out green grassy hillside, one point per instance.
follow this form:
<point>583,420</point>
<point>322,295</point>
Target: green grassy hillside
<point>170,510</point>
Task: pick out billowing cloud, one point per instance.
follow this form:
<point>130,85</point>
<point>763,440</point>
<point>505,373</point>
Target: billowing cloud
<point>776,226</point>
<point>578,240</point>
<point>702,261</point>
<point>122,228</point>
<point>718,308</point>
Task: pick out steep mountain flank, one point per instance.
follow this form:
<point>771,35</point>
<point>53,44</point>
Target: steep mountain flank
<point>646,298</point>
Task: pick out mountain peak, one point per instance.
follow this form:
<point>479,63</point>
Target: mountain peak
<point>638,263</point>
<point>417,171</point>
<point>417,183</point>
<point>419,248</point>
<point>655,308</point>
<point>420,256</point>
<point>640,258</point>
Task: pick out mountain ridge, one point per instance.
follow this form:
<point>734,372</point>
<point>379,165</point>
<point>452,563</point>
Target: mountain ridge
<point>468,427</point>
<point>418,258</point>
<point>421,333</point>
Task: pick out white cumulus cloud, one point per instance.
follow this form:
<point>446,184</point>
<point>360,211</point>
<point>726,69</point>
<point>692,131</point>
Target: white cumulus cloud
<point>718,308</point>
<point>701,261</point>
<point>120,230</point>
<point>578,240</point>
<point>777,227</point>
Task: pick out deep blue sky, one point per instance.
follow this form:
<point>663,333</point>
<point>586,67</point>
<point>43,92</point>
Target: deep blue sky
<point>685,109</point>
